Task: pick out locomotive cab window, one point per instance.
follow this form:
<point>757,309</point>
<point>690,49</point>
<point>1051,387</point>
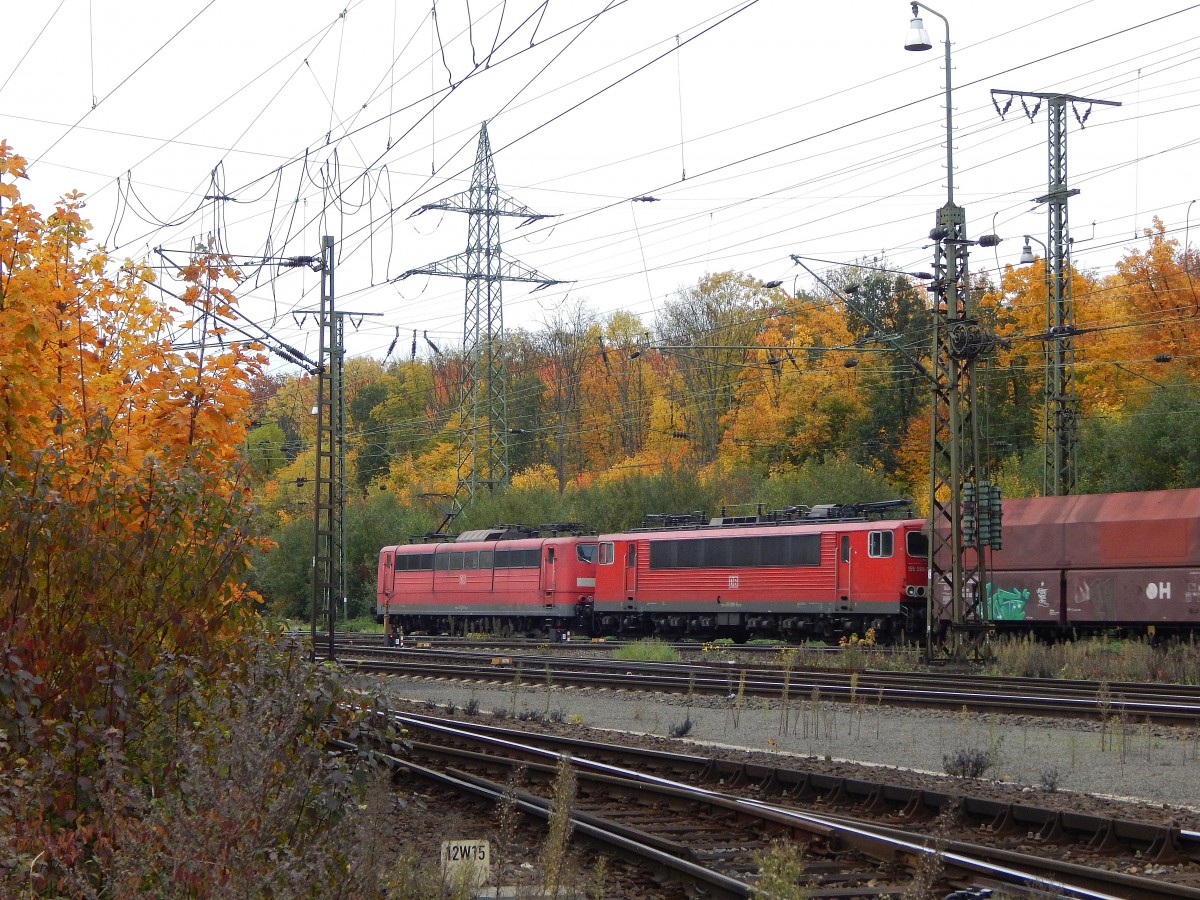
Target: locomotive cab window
<point>917,544</point>
<point>587,552</point>
<point>606,553</point>
<point>879,544</point>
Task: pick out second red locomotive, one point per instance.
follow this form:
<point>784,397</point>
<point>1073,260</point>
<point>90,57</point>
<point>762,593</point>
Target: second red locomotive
<point>819,573</point>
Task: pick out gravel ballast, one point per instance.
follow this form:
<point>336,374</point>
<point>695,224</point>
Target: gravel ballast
<point>1122,759</point>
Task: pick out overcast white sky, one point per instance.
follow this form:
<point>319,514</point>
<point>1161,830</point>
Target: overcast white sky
<point>763,128</point>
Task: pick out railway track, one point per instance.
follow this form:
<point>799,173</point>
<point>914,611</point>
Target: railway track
<point>583,646</point>
<point>707,822</point>
<point>1158,703</point>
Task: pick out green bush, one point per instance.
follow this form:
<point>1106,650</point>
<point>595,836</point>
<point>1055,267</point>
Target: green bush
<point>219,782</point>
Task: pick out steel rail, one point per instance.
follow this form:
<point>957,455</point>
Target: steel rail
<point>619,837</point>
<point>879,687</point>
<point>884,844</point>
<point>998,816</point>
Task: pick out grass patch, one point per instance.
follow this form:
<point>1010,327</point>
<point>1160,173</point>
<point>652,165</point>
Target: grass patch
<point>361,625</point>
<point>1098,659</point>
<point>648,650</point>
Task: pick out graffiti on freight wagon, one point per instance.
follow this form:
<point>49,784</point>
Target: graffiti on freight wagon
<point>1004,604</point>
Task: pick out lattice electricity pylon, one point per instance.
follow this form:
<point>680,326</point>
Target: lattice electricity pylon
<point>482,458</point>
<point>957,564</point>
<point>1062,403</point>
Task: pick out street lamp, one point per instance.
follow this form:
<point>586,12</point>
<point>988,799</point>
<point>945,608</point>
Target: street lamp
<point>958,339</point>
<point>918,39</point>
<point>1052,386</point>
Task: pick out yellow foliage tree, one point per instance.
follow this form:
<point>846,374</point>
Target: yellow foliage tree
<point>125,528</point>
<point>796,399</point>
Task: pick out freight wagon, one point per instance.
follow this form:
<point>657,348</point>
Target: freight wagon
<point>1090,561</point>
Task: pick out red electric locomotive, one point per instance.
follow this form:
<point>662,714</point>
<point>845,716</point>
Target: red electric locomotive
<point>823,572</point>
<point>506,579</point>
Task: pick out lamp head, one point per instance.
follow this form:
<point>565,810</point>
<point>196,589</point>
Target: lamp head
<point>1026,253</point>
<point>918,37</point>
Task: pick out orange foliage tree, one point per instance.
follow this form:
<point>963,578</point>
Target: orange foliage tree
<point>125,526</point>
<point>1155,300</point>
<point>793,404</point>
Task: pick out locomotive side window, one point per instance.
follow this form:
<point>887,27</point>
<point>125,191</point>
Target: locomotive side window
<point>518,559</point>
<point>771,550</point>
<point>485,559</point>
<point>688,555</point>
<point>917,544</point>
<point>456,560</point>
<point>471,559</point>
<point>845,548</point>
<point>718,553</point>
<point>441,561</point>
<point>586,552</point>
<point>631,558</point>
<point>415,562</point>
<point>606,553</point>
<point>879,544</point>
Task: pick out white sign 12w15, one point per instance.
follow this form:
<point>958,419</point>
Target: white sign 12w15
<point>466,863</point>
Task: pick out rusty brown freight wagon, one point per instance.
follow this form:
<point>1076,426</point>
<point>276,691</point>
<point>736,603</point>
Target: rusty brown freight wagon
<point>1127,560</point>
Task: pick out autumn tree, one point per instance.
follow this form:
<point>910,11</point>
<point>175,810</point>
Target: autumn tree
<point>709,328</point>
<point>795,398</point>
<point>1157,292</point>
<point>566,342</point>
<point>127,522</point>
<point>621,383</point>
<point>889,321</point>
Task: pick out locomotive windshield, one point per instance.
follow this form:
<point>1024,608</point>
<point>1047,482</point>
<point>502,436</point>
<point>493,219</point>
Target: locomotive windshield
<point>585,552</point>
<point>917,544</point>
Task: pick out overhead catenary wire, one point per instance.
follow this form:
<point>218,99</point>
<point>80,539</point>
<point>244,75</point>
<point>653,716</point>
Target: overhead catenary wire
<point>372,193</point>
